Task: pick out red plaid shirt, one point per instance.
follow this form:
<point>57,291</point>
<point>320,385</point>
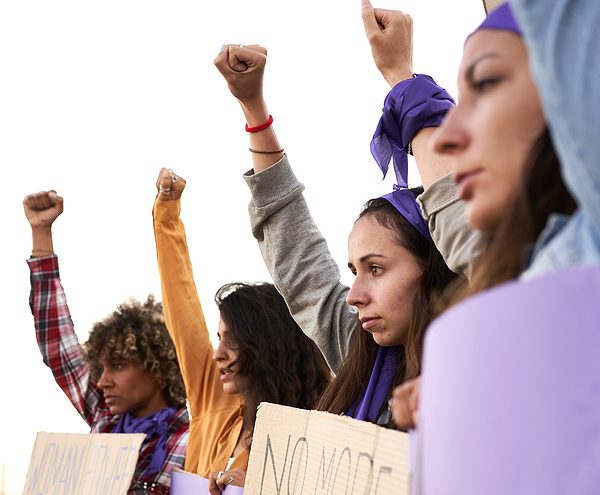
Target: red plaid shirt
<point>63,354</point>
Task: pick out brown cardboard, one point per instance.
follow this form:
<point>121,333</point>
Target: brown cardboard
<point>298,452</point>
<point>72,463</point>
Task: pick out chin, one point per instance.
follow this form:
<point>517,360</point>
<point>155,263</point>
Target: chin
<point>387,340</point>
<point>481,219</point>
<point>116,410</point>
<point>230,388</point>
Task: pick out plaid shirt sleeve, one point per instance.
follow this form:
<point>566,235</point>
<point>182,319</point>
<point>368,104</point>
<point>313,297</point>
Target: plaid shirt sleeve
<point>58,342</point>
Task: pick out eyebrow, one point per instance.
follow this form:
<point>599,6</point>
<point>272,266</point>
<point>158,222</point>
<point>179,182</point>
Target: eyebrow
<point>367,257</point>
<point>471,68</point>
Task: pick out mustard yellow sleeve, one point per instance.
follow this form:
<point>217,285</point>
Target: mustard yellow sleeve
<point>183,313</point>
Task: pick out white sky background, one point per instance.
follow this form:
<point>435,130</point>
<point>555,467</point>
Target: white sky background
<point>96,97</point>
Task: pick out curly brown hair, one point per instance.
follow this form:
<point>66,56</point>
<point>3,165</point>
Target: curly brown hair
<point>136,333</point>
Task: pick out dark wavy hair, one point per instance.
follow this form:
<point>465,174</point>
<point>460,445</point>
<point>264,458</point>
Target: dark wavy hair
<point>136,333</point>
<point>355,372</point>
<point>276,362</point>
<point>542,193</point>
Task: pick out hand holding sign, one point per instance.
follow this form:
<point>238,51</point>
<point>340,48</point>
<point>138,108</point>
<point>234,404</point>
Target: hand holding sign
<point>217,482</point>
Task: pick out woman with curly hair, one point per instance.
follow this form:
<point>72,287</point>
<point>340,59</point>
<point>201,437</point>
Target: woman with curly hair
<point>262,355</point>
<point>125,378</point>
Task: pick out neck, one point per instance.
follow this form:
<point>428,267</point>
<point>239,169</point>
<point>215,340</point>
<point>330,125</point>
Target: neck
<point>153,406</point>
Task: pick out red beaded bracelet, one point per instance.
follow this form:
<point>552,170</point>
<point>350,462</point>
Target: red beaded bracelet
<point>261,126</point>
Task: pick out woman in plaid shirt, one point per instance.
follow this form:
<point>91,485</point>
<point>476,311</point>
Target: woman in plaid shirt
<point>125,378</point>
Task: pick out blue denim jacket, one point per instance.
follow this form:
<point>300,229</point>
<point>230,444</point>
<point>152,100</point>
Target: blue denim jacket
<point>564,50</point>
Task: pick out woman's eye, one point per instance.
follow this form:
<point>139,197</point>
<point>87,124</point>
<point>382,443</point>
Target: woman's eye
<point>484,84</point>
<point>375,270</point>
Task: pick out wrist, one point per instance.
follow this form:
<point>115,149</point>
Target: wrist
<point>255,112</point>
<point>397,76</point>
<point>41,253</point>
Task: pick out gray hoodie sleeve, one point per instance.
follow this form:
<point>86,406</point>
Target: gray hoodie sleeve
<point>458,244</point>
<point>297,256</point>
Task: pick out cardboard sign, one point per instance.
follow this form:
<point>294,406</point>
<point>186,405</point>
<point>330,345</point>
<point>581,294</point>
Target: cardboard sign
<point>185,483</point>
<point>73,464</point>
<point>490,5</point>
<point>297,452</point>
<point>510,391</point>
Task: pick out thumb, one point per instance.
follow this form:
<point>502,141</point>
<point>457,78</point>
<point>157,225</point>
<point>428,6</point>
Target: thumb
<point>368,17</point>
<point>55,199</point>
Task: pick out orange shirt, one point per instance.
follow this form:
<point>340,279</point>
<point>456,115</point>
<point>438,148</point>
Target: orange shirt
<point>216,417</point>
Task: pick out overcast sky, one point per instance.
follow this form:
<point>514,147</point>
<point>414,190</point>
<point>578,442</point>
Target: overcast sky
<point>96,97</point>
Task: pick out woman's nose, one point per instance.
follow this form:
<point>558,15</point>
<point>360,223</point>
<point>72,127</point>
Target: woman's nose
<point>451,137</point>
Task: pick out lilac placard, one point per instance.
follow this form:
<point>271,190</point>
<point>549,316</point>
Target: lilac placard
<point>510,397</point>
<point>184,483</point>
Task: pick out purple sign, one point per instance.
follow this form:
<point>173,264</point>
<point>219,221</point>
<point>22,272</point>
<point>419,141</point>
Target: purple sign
<point>510,397</point>
<point>184,483</point>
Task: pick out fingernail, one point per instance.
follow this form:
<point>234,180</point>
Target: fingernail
<point>222,48</point>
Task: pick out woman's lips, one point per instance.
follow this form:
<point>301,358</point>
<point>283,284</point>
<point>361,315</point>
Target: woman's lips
<point>464,182</point>
<point>369,322</point>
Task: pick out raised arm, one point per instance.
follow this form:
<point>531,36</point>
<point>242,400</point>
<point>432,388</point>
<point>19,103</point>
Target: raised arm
<point>389,33</point>
<point>294,251</point>
<point>55,333</point>
<point>183,312</point>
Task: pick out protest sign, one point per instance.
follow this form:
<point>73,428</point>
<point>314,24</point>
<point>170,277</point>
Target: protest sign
<point>184,483</point>
<point>510,391</point>
<point>297,452</point>
<point>73,464</point>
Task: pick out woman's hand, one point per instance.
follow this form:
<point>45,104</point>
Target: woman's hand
<point>390,34</point>
<point>41,209</point>
<point>217,482</point>
<point>405,404</point>
<point>243,67</point>
<point>169,185</point>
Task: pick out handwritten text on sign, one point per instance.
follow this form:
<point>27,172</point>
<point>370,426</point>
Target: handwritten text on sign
<point>297,452</point>
<point>68,463</point>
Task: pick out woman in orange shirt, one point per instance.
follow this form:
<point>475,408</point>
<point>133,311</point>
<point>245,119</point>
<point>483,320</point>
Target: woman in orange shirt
<point>262,356</point>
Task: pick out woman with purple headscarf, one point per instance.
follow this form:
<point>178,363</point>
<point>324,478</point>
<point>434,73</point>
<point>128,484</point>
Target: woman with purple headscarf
<point>370,334</point>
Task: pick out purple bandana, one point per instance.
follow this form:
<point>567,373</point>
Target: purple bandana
<point>379,387</point>
<point>156,424</point>
<point>501,18</point>
<point>410,106</point>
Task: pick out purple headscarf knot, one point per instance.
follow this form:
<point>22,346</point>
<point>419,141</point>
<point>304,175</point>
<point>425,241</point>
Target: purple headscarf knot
<point>410,106</point>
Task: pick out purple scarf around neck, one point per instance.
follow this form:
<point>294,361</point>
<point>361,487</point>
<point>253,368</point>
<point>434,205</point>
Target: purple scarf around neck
<point>155,424</point>
<point>368,407</point>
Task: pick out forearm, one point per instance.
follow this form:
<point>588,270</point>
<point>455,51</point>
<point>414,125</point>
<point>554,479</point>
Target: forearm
<point>458,244</point>
<point>41,241</point>
<point>297,256</point>
<point>430,164</point>
<point>256,114</point>
<point>182,308</point>
<point>57,340</point>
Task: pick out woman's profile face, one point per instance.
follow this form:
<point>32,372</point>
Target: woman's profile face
<point>386,279</point>
<point>491,131</point>
<point>226,356</point>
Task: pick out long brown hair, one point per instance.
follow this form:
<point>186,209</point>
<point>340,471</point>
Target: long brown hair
<point>543,192</point>
<point>276,361</point>
<point>353,377</point>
